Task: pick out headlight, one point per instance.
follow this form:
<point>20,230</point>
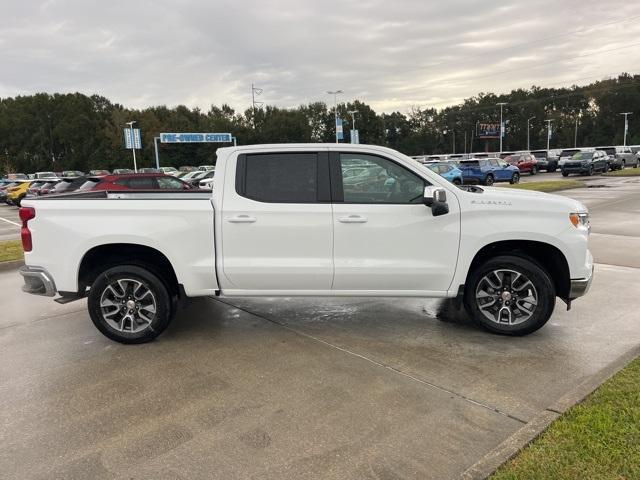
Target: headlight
<point>580,220</point>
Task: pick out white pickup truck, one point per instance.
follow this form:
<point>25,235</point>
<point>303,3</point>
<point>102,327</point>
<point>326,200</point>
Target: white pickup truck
<point>309,220</point>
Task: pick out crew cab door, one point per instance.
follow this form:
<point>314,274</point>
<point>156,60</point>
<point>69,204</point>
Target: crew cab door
<point>276,225</point>
<point>385,238</point>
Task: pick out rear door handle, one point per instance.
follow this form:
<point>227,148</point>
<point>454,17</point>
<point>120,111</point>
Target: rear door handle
<point>241,219</point>
<point>353,219</point>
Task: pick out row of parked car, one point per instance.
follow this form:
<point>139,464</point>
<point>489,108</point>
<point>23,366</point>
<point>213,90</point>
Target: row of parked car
<point>487,168</point>
<point>15,187</point>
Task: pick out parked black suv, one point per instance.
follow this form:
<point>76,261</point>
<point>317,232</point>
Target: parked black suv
<point>546,161</point>
<point>586,163</point>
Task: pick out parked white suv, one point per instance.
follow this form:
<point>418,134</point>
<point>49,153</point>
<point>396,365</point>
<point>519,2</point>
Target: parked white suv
<point>283,220</point>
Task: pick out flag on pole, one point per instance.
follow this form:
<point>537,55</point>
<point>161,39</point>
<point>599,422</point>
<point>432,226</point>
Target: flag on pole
<point>339,131</point>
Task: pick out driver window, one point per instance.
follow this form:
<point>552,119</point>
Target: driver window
<point>379,180</point>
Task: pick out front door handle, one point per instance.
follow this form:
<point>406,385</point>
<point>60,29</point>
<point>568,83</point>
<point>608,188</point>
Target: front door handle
<point>241,219</point>
<point>353,219</point>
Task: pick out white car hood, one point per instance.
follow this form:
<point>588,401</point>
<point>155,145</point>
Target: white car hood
<point>527,198</point>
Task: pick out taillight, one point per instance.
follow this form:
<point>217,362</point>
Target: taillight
<point>26,214</point>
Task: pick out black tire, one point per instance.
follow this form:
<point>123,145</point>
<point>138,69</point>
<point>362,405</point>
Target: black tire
<point>515,178</point>
<point>565,174</point>
<point>534,170</point>
<point>590,171</point>
<point>488,181</point>
<point>623,165</point>
<point>160,293</point>
<point>457,181</point>
<point>542,283</point>
<point>551,170</point>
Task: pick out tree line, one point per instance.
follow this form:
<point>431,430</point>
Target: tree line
<point>79,132</point>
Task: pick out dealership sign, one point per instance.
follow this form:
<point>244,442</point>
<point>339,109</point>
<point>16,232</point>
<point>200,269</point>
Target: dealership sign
<point>196,137</point>
<point>488,130</point>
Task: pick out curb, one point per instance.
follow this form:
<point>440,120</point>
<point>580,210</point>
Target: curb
<point>506,450</point>
<point>11,265</point>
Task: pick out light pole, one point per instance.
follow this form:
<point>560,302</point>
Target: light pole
<point>133,144</point>
<point>501,104</point>
<point>255,91</point>
<point>575,133</point>
<point>335,94</point>
<point>353,121</point>
<point>528,120</point>
<point>548,132</point>
<point>626,126</point>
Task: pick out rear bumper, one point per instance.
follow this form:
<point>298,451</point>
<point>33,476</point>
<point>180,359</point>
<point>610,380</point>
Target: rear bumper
<point>37,281</point>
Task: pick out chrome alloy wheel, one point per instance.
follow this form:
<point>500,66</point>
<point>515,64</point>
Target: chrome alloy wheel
<point>506,297</point>
<point>128,305</point>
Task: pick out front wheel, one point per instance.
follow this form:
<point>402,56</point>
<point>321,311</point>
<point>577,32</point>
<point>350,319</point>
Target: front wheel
<point>457,181</point>
<point>565,174</point>
<point>590,171</point>
<point>130,304</point>
<point>488,181</point>
<point>534,170</point>
<point>510,295</point>
<point>515,178</point>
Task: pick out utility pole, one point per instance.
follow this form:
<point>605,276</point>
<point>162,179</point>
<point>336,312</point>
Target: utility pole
<point>465,141</point>
<point>501,104</point>
<point>335,94</point>
<point>575,134</point>
<point>548,132</point>
<point>528,120</point>
<point>133,150</point>
<point>626,126</point>
<point>255,91</point>
<point>454,141</point>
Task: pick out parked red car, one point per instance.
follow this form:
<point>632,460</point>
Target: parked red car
<point>134,181</point>
<point>526,162</point>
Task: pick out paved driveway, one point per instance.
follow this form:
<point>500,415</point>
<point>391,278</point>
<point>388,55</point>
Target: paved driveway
<point>299,388</point>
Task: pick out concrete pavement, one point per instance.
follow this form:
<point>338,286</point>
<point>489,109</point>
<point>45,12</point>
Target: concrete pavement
<point>303,388</point>
<point>9,223</point>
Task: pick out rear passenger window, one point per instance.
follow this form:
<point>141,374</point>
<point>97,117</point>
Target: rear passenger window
<point>280,178</point>
<point>143,183</point>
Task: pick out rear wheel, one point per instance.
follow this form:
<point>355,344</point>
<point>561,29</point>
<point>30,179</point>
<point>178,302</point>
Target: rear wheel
<point>510,295</point>
<point>130,304</point>
<point>515,178</point>
<point>623,165</point>
<point>534,170</point>
<point>488,181</point>
<point>565,173</point>
<point>457,181</point>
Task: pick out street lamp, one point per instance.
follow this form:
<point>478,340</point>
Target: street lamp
<point>353,122</point>
<point>548,131</point>
<point>335,94</point>
<point>133,146</point>
<point>501,104</point>
<point>626,126</point>
<point>528,120</point>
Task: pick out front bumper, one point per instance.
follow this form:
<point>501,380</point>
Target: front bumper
<point>580,286</point>
<point>37,281</point>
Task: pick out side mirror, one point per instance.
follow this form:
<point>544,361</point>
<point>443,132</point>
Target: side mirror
<point>436,199</point>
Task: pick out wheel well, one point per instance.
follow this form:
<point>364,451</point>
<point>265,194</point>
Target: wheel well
<point>546,256</point>
<point>100,258</point>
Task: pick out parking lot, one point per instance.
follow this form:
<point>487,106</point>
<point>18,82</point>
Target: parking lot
<point>307,388</point>
<point>9,223</point>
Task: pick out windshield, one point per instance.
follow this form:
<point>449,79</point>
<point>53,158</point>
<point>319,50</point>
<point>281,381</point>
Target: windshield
<point>568,153</point>
<point>582,156</point>
<point>46,174</point>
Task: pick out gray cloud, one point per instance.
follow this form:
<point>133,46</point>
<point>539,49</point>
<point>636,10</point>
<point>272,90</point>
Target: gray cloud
<point>394,55</point>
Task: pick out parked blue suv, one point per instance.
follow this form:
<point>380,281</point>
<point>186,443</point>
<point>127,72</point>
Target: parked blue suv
<point>487,171</point>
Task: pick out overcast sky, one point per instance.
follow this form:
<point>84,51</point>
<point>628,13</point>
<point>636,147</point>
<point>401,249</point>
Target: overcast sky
<point>391,54</point>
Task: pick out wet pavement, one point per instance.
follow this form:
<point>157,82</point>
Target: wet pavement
<point>302,388</point>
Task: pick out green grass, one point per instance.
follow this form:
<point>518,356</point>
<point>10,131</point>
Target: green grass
<point>547,185</point>
<point>627,172</point>
<point>11,250</point>
<point>597,439</point>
